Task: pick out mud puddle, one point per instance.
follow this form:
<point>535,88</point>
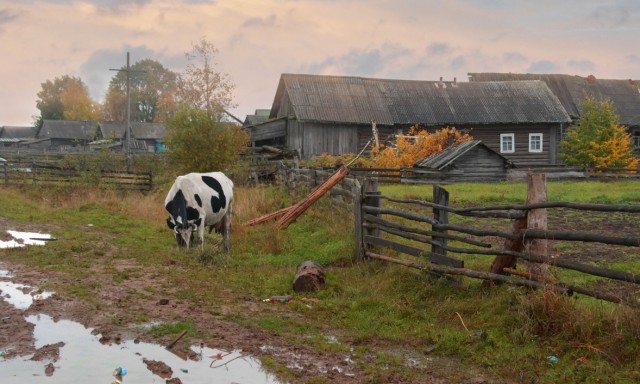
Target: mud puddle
<point>20,239</point>
<point>83,358</point>
<point>19,295</point>
<point>68,352</point>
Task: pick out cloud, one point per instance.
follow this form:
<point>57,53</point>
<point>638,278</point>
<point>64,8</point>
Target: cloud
<point>513,57</point>
<point>256,22</point>
<point>438,48</point>
<point>358,62</point>
<point>543,66</point>
<point>6,16</point>
<point>458,63</point>
<point>582,65</point>
<point>619,14</point>
<point>633,58</point>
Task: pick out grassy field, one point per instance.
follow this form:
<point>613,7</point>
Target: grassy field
<point>508,332</point>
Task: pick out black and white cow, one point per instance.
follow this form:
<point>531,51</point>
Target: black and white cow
<point>197,200</point>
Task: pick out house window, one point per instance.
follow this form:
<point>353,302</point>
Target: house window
<point>507,143</point>
<point>636,139</point>
<point>535,142</point>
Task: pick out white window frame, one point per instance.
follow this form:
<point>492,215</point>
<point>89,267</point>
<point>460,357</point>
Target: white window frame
<point>531,147</point>
<point>504,136</point>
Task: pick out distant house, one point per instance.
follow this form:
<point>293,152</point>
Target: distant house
<point>260,116</point>
<point>570,90</point>
<point>468,161</point>
<point>145,137</point>
<point>149,135</point>
<point>316,114</point>
<point>12,136</point>
<point>65,135</point>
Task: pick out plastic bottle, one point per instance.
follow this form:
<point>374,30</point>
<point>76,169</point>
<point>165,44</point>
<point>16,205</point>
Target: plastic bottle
<point>280,299</point>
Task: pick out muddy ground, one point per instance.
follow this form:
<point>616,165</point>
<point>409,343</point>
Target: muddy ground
<point>108,317</point>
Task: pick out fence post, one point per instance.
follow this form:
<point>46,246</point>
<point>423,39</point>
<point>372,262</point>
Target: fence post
<point>33,172</point>
<point>371,199</point>
<point>537,219</point>
<point>5,172</point>
<point>441,216</point>
<point>357,218</point>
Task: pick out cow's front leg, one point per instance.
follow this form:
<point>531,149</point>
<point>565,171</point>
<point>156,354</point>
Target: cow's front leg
<point>226,232</point>
<point>200,238</point>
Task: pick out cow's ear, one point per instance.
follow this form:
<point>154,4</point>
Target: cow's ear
<point>170,223</point>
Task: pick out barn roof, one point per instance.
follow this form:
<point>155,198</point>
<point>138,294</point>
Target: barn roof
<point>359,100</point>
<point>17,132</point>
<point>139,130</point>
<point>570,90</point>
<point>142,130</point>
<point>443,159</point>
<point>113,130</point>
<point>67,129</point>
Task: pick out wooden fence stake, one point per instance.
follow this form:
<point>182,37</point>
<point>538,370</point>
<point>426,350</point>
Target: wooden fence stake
<point>357,218</point>
<point>440,197</point>
<point>537,219</point>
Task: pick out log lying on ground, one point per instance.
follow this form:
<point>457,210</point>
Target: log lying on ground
<point>298,209</point>
<point>309,277</point>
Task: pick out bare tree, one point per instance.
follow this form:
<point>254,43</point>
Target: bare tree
<point>201,85</point>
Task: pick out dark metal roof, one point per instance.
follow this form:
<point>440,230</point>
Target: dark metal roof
<point>441,160</point>
<point>570,90</point>
<point>141,130</point>
<point>113,130</point>
<point>67,129</point>
<point>359,100</point>
<point>17,132</point>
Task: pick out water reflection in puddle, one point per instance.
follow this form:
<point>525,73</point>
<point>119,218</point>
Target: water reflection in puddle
<point>83,359</point>
<point>20,239</point>
<point>5,273</point>
<point>15,294</point>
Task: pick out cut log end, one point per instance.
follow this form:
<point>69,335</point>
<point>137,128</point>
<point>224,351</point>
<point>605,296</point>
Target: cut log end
<point>309,277</point>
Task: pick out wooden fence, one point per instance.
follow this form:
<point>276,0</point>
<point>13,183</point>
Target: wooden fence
<point>430,176</point>
<point>20,174</point>
<point>422,236</point>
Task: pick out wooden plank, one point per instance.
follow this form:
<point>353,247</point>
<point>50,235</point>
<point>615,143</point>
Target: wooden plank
<point>413,251</point>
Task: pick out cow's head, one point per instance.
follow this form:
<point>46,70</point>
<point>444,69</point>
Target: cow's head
<point>182,232</point>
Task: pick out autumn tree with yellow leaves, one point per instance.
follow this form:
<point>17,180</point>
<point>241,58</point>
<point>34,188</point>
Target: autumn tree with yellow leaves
<point>596,139</point>
<point>416,145</point>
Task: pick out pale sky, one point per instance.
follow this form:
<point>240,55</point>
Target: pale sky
<point>260,39</point>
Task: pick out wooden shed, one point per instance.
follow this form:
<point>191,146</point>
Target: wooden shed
<point>468,161</point>
<point>333,114</point>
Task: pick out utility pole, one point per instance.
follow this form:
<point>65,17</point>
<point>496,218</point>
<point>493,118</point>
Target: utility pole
<point>128,129</point>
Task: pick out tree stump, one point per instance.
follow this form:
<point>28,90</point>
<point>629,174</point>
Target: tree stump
<point>309,277</point>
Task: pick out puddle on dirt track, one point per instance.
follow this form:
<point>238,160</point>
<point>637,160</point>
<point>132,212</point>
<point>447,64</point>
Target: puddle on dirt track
<point>15,294</point>
<point>84,359</point>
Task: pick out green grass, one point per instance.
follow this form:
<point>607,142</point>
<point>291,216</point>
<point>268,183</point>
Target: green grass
<point>369,306</point>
